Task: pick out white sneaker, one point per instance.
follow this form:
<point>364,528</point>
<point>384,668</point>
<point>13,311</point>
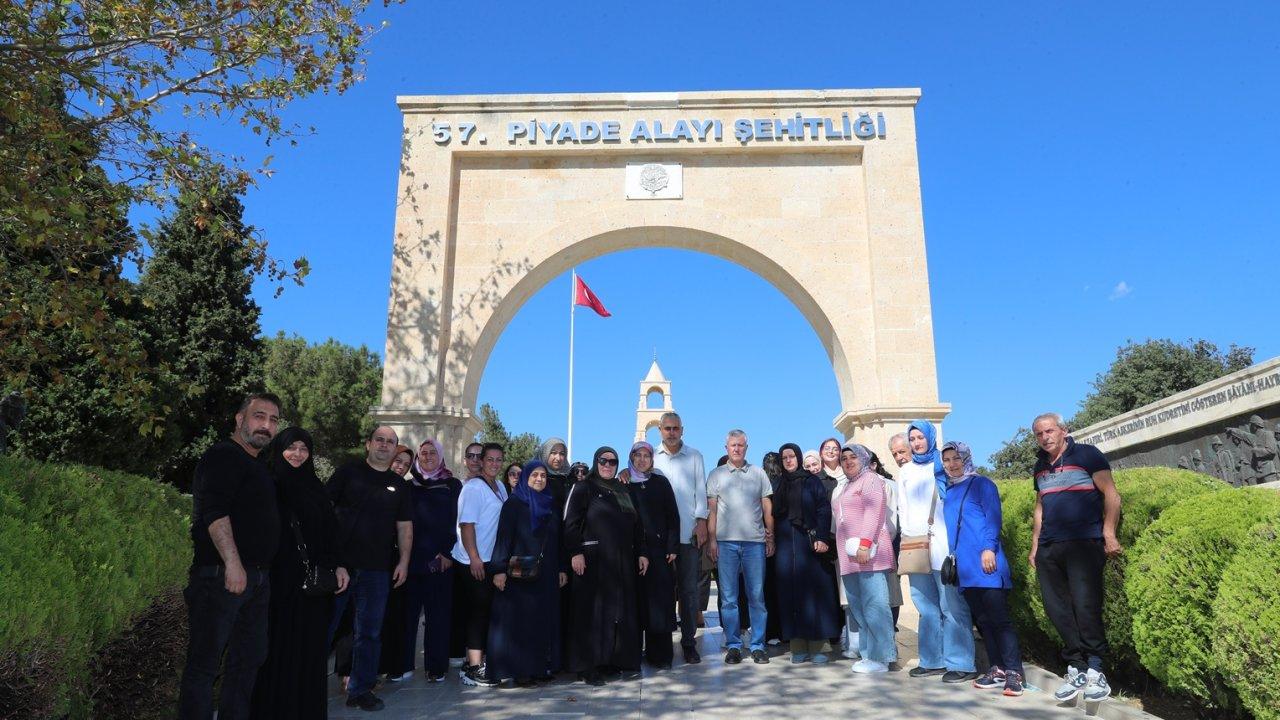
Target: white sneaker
<point>1071,686</point>
<point>1096,688</point>
<point>400,678</point>
<point>867,667</point>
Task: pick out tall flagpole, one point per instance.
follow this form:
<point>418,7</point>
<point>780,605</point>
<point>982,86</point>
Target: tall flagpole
<point>573,302</point>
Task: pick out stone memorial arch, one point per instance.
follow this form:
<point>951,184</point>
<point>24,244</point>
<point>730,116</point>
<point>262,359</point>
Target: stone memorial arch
<point>817,191</point>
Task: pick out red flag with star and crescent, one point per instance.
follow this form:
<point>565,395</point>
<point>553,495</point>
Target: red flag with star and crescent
<point>583,296</point>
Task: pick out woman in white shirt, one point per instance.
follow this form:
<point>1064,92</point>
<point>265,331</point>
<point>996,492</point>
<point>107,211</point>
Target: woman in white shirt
<point>945,630</point>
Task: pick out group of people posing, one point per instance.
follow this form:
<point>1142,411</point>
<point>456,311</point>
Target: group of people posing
<point>521,572</point>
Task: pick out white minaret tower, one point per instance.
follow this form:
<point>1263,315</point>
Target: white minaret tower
<point>655,381</point>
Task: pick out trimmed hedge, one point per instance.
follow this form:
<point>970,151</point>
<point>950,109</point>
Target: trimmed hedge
<point>1145,494</point>
<point>1175,571</point>
<point>83,552</point>
<point>1246,644</point>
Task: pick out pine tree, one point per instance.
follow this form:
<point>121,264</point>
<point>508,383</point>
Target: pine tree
<point>202,321</point>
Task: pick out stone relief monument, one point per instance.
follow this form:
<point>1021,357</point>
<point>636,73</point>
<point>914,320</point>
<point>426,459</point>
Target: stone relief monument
<point>1233,421</point>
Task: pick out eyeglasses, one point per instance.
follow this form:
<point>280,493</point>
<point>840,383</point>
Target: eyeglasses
<point>474,456</point>
<point>608,461</point>
<point>671,428</point>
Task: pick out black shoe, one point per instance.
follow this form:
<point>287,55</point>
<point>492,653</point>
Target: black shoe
<point>591,677</point>
<point>925,672</point>
<point>758,657</point>
<point>957,676</point>
<point>434,677</point>
<point>477,676</point>
<point>368,701</point>
<point>733,657</point>
<point>691,656</point>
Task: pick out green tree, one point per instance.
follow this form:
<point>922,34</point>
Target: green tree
<point>327,388</point>
<point>118,83</point>
<point>1145,372</point>
<point>520,448</point>
<point>70,337</point>
<point>202,323</point>
<point>1016,458</point>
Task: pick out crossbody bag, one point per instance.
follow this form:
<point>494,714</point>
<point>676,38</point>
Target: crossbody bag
<point>913,553</point>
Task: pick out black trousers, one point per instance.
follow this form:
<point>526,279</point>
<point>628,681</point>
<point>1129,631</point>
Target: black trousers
<point>430,594</point>
<point>989,608</point>
<point>688,591</point>
<point>479,601</point>
<point>219,622</point>
<point>1070,574</point>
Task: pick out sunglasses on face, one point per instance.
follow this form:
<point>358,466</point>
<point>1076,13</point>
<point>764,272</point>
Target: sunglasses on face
<point>608,461</point>
<point>473,456</point>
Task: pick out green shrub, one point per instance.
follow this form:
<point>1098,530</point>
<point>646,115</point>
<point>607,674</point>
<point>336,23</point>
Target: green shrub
<point>82,552</point>
<point>1246,644</point>
<point>1145,493</point>
<point>1175,569</point>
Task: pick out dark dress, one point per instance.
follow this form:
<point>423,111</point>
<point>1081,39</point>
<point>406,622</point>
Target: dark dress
<point>655,501</point>
<point>807,608</point>
<point>524,624</point>
<point>773,626</point>
<point>293,682</point>
<point>830,564</point>
<point>604,613</point>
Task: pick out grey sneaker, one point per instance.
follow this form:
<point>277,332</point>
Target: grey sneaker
<point>1071,686</point>
<point>1096,688</point>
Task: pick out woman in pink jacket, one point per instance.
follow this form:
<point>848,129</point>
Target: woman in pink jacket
<point>859,505</point>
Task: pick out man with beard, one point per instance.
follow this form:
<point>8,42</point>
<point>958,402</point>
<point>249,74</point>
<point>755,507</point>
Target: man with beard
<point>375,509</point>
<point>234,530</point>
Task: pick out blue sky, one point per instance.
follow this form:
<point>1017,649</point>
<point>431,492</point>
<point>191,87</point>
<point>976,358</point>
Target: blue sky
<point>1091,172</point>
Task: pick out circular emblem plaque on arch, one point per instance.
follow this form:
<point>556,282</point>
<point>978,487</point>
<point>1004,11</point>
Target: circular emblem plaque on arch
<point>481,227</point>
<point>654,178</point>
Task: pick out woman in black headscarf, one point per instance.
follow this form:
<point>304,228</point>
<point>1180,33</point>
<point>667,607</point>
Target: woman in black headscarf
<point>660,517</point>
<point>524,627</point>
<point>802,525</point>
<point>293,682</point>
<point>605,539</point>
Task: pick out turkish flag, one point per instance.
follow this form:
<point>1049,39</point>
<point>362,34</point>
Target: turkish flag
<point>583,296</point>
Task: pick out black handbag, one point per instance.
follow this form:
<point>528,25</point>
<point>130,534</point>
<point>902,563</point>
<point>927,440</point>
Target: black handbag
<point>527,567</point>
<point>316,580</point>
<point>950,574</point>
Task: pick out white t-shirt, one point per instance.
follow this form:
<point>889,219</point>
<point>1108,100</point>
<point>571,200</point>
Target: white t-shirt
<point>479,505</point>
<point>916,489</point>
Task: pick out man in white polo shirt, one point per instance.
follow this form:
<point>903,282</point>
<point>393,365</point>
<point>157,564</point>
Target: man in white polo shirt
<point>741,528</point>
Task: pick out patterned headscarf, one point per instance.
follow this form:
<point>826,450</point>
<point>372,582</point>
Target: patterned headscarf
<point>441,471</point>
<point>636,475</point>
<point>965,455</point>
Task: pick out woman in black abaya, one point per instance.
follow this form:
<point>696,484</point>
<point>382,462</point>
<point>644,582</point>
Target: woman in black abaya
<point>808,610</point>
<point>293,681</point>
<point>656,504</point>
<point>524,625</point>
<point>605,539</point>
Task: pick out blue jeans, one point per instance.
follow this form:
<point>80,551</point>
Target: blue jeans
<point>945,630</point>
<point>868,594</point>
<point>369,588</point>
<point>747,557</point>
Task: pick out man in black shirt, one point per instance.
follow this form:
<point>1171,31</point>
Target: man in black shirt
<point>376,512</point>
<point>235,530</point>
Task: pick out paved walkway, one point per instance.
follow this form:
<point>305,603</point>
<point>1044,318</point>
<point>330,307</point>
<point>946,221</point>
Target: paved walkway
<point>715,690</point>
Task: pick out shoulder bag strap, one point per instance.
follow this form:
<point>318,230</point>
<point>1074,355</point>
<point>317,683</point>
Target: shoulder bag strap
<point>297,537</point>
<point>960,516</point>
<point>933,504</point>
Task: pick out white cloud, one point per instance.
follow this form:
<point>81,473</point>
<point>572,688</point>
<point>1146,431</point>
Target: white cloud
<point>1120,290</point>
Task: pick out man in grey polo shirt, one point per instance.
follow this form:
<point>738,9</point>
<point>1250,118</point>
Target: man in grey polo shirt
<point>682,466</point>
<point>741,520</point>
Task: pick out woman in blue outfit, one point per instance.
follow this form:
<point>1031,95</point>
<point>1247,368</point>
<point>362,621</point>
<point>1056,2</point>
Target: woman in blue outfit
<point>802,523</point>
<point>429,589</point>
<point>973,524</point>
<point>524,625</point>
